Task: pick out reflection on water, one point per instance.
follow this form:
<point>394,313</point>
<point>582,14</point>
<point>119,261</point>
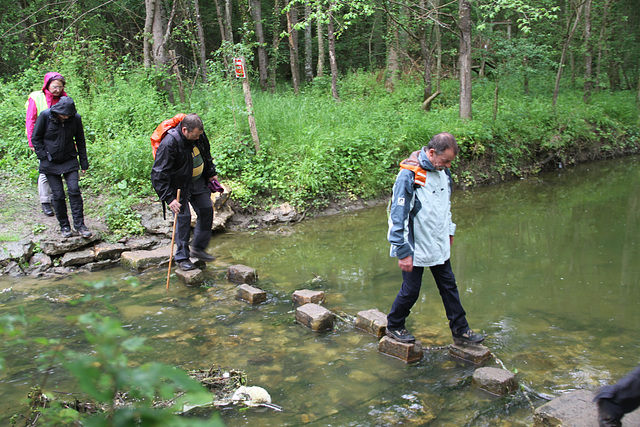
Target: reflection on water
<point>545,267</point>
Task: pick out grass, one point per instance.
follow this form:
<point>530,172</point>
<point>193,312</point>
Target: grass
<point>314,149</point>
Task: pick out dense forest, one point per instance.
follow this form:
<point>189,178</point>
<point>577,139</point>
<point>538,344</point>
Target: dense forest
<point>338,91</point>
<point>596,41</point>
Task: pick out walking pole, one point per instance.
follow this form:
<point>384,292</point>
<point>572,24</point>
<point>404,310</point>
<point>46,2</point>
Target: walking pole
<point>173,238</point>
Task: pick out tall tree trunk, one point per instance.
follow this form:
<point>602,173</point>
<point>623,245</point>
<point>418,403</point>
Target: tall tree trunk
<point>256,13</point>
<point>601,41</point>
<point>201,41</point>
<point>308,42</point>
<point>563,56</point>
<point>147,48</point>
<point>292,20</point>
<point>228,13</point>
<point>464,11</point>
<point>320,35</point>
<point>333,64</point>
<point>156,37</point>
<point>426,58</point>
<point>223,34</point>
<point>393,62</point>
<point>274,46</point>
<point>588,53</point>
<point>435,4</point>
<point>246,89</point>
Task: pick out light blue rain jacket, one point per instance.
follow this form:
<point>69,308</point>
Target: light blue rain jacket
<point>420,217</point>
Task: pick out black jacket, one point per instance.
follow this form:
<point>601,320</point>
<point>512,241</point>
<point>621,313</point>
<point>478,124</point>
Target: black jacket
<point>59,143</point>
<point>173,166</point>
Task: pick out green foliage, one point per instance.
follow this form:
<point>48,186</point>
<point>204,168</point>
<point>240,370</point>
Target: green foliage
<point>105,374</point>
<point>120,217</point>
<point>313,148</point>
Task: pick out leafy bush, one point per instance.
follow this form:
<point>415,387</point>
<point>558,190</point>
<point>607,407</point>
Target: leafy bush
<point>311,147</point>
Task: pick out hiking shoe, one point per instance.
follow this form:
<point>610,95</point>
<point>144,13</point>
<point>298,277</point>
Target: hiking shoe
<point>400,335</point>
<point>201,255</point>
<point>66,232</point>
<point>47,209</point>
<point>84,231</point>
<point>468,337</point>
<point>186,265</point>
<point>604,418</point>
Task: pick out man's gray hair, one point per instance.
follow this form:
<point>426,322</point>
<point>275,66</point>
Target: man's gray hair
<point>442,142</point>
<point>192,121</point>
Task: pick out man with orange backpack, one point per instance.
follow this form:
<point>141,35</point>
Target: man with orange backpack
<point>183,161</point>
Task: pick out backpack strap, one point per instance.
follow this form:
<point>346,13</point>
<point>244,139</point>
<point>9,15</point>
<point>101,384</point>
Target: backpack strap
<point>419,174</point>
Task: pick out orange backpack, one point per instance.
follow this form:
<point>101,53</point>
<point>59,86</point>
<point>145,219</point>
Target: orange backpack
<point>162,130</point>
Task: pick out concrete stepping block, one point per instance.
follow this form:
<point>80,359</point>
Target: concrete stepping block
<point>372,321</point>
<point>576,409</point>
<point>496,381</point>
<point>241,274</point>
<point>307,296</point>
<point>190,277</point>
<point>474,353</point>
<point>407,352</point>
<point>250,294</point>
<point>315,317</point>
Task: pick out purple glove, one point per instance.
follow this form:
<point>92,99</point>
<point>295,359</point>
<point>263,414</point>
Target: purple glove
<point>215,186</point>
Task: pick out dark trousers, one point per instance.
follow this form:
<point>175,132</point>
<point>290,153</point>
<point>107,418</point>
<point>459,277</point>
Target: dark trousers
<point>75,199</point>
<point>200,199</point>
<point>622,397</point>
<point>410,291</point>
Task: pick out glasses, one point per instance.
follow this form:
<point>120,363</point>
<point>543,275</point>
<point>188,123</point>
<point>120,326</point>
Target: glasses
<point>56,87</point>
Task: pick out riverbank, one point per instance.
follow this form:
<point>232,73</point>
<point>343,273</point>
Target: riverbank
<point>22,216</point>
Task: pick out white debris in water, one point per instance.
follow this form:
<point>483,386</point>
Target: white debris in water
<point>253,396</point>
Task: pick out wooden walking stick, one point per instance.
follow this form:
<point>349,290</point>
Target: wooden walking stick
<point>173,238</point>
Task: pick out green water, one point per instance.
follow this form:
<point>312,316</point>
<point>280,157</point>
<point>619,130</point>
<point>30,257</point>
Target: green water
<point>546,267</point>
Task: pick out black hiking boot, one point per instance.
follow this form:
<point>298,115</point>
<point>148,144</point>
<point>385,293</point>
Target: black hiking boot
<point>47,209</point>
<point>605,419</point>
<point>201,255</point>
<point>186,265</point>
<point>84,231</point>
<point>66,232</point>
<point>468,337</point>
<point>400,335</point>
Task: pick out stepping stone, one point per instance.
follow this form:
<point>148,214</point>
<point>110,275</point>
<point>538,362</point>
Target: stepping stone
<point>104,250</point>
<point>474,353</point>
<point>372,321</point>
<point>77,258</point>
<point>495,380</point>
<point>315,317</point>
<point>575,409</point>
<point>251,294</point>
<point>190,277</point>
<point>53,247</point>
<point>407,352</point>
<point>142,260</point>
<point>241,274</point>
<point>306,296</point>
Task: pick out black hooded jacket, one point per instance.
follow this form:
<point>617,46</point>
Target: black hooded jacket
<point>173,166</point>
<point>59,143</point>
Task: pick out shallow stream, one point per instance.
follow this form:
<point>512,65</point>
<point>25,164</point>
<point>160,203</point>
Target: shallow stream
<point>545,268</point>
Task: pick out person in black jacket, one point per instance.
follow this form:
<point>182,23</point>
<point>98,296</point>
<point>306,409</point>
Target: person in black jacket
<point>183,161</point>
<point>58,141</point>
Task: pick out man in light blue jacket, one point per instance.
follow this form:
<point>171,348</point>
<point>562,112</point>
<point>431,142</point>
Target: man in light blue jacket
<point>421,233</point>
